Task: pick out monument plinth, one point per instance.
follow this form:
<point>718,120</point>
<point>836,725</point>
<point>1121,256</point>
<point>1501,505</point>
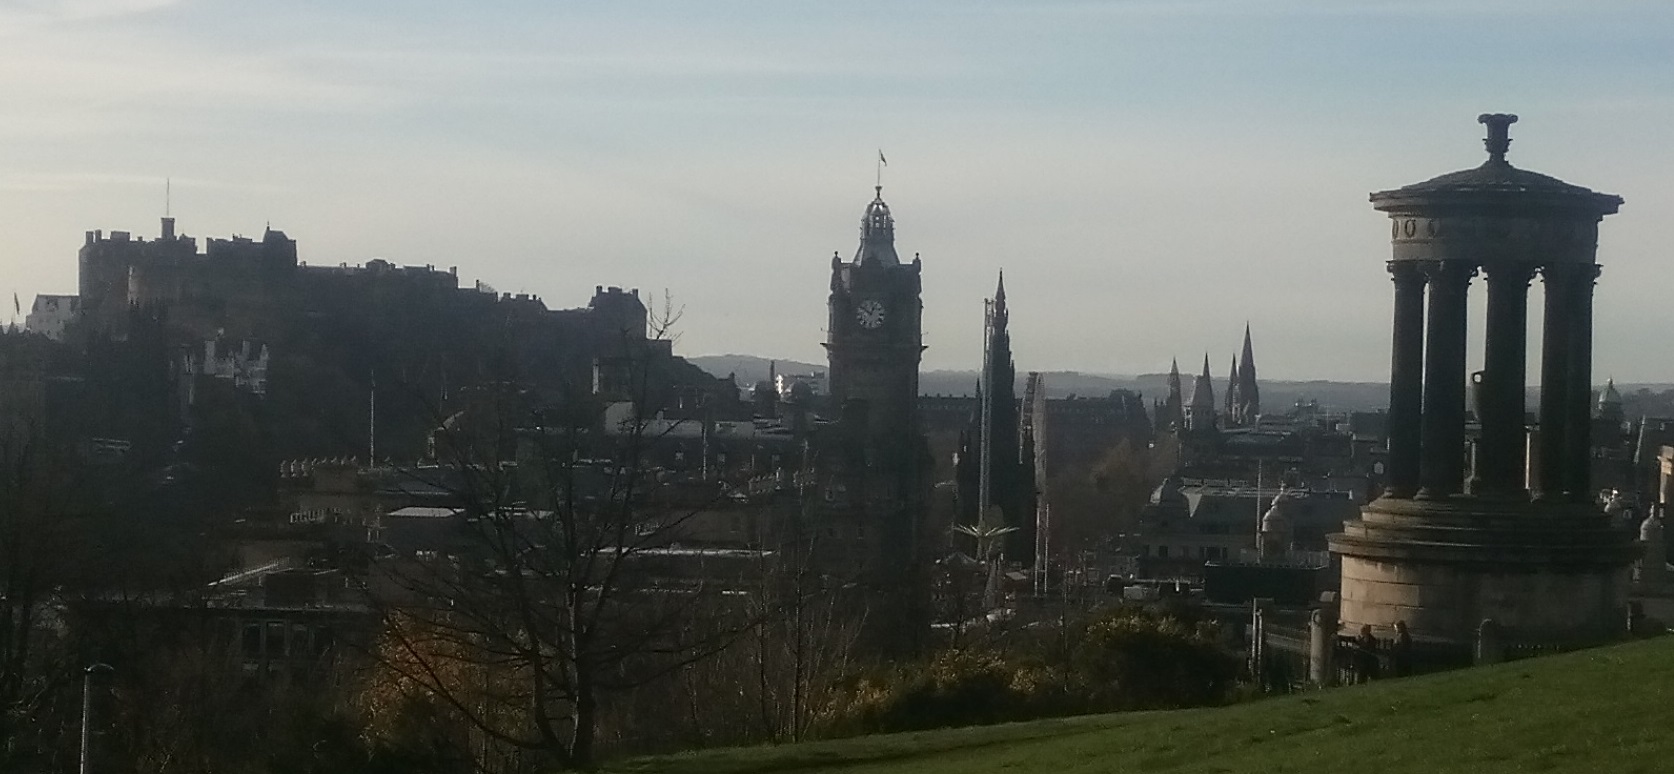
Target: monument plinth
<point>1530,549</point>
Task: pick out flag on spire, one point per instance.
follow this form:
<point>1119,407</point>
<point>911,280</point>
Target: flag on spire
<point>881,159</point>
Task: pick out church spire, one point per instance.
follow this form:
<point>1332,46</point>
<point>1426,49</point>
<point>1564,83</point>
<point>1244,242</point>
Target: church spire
<point>1173,416</point>
<point>1200,415</point>
<point>1249,395</point>
<point>1230,410</point>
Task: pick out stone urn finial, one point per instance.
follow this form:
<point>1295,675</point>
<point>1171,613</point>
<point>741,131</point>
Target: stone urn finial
<point>1499,133</point>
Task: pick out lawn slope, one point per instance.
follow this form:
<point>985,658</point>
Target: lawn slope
<point>1608,709</point>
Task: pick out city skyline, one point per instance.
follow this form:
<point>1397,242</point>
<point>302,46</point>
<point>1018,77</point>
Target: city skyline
<point>1149,175</point>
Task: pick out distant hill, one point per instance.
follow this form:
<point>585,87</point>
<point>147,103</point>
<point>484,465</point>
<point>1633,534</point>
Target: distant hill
<point>1275,395</point>
<point>750,369</point>
<point>1598,710</point>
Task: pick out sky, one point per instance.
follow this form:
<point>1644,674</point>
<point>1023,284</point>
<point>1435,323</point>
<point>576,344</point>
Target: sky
<point>1151,175</point>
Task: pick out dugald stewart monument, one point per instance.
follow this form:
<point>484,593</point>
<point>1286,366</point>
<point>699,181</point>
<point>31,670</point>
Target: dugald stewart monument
<point>1506,530</point>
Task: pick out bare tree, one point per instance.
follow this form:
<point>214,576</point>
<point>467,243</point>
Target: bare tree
<point>803,642</point>
<point>37,545</point>
<point>565,585</point>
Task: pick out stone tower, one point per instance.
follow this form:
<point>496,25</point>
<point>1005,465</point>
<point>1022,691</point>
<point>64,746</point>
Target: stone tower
<point>876,478</point>
<point>1537,556</point>
<point>874,340</point>
<point>1011,482</point>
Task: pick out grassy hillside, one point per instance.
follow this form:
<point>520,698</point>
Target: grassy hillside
<point>1610,709</point>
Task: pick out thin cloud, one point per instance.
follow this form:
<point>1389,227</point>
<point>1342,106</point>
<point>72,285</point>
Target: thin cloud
<point>49,11</point>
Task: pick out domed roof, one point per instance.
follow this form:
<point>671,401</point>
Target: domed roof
<point>1609,395</point>
<point>1497,183</point>
<point>801,392</point>
<point>877,234</point>
<point>1278,517</point>
<point>1168,493</point>
<point>1651,528</point>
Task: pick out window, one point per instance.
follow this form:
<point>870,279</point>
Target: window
<point>274,643</point>
<point>252,644</point>
<point>1162,552</point>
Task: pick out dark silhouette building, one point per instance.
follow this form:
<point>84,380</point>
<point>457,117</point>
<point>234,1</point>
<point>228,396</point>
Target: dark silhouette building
<point>1011,466</point>
<point>875,468</point>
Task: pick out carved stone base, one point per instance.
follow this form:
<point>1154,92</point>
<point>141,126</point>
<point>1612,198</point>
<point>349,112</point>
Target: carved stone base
<point>1543,572</point>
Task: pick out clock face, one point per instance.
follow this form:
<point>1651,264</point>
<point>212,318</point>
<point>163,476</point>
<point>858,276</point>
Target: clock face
<point>870,314</point>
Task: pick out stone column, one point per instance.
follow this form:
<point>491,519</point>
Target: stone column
<point>1504,379</point>
<point>1652,571</point>
<point>1442,465</point>
<point>1406,379</point>
<point>1578,406</point>
<point>1490,649</point>
<point>1554,378</point>
<point>1322,647</point>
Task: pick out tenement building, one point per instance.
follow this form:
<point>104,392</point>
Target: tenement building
<point>1462,537</point>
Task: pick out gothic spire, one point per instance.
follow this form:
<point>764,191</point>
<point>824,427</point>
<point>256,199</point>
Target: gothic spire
<point>1231,408</point>
<point>1173,415</point>
<point>1203,392</point>
<point>1249,395</point>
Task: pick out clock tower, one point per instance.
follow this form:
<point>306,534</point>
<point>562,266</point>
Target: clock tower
<point>875,469</point>
<point>874,339</point>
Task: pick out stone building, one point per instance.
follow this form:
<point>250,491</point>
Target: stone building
<point>49,315</point>
<point>1441,552</point>
<point>872,464</point>
<point>1191,522</point>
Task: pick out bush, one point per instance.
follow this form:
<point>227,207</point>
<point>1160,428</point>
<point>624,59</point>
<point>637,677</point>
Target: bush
<point>956,688</point>
<point>1123,660</point>
<point>1135,660</point>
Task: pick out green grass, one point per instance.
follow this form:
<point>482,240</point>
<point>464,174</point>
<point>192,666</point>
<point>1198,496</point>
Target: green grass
<point>1608,709</point>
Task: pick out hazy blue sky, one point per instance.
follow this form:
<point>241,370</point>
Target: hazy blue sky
<point>1149,174</point>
